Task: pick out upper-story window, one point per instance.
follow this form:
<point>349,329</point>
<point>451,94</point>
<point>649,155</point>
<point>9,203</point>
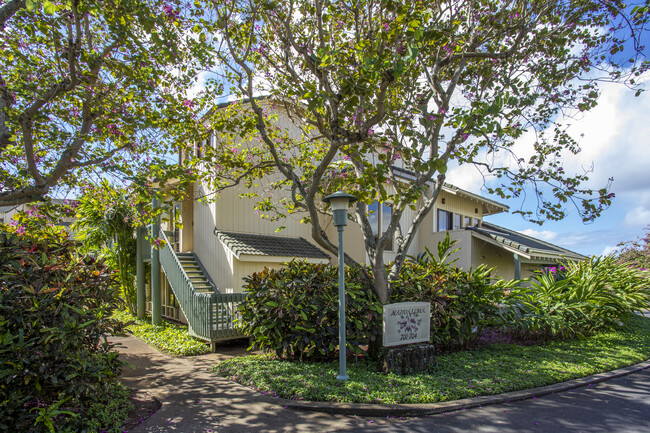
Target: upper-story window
<point>458,220</point>
<point>444,220</point>
<point>199,149</point>
<point>380,220</point>
<point>467,221</point>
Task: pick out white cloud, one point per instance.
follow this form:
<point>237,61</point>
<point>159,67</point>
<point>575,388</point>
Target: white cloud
<point>638,217</point>
<point>544,235</point>
<point>609,249</point>
<point>616,140</point>
<point>467,177</point>
<point>576,240</point>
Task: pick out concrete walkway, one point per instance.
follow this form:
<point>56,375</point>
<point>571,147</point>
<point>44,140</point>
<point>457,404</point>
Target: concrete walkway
<point>195,400</point>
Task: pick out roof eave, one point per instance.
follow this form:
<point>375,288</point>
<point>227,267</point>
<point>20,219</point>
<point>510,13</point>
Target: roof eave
<point>279,259</point>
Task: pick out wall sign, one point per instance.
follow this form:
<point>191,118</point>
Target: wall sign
<point>406,323</point>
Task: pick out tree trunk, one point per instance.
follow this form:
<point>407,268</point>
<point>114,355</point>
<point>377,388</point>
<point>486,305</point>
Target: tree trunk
<point>381,287</point>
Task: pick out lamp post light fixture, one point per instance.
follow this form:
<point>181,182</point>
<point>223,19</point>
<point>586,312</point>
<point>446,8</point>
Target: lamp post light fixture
<point>340,202</point>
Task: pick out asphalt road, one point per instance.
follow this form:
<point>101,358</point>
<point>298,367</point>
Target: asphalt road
<point>619,405</point>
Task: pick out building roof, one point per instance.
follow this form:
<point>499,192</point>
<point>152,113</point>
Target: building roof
<point>520,242</point>
<point>489,206</point>
<point>251,244</point>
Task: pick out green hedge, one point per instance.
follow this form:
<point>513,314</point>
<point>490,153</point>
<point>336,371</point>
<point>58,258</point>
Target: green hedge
<point>294,311</point>
<point>461,301</point>
<point>55,308</point>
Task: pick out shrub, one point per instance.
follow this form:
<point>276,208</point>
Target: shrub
<point>106,225</point>
<point>599,293</point>
<point>294,311</point>
<point>55,312</point>
<point>460,300</point>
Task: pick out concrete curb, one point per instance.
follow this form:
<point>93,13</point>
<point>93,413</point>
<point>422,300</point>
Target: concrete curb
<point>384,410</point>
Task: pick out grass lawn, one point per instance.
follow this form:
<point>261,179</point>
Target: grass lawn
<point>168,338</point>
<point>496,369</point>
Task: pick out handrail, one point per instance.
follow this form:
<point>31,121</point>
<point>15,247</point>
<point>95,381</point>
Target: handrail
<point>203,311</point>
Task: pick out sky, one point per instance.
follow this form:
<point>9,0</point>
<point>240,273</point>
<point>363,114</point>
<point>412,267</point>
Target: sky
<point>617,142</point>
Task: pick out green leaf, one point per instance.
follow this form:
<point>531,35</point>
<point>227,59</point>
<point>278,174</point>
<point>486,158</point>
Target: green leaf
<point>49,7</point>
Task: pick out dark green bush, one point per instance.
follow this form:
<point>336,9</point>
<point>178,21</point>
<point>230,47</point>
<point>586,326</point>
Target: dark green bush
<point>55,308</point>
<point>586,297</point>
<point>460,300</point>
<point>294,311</point>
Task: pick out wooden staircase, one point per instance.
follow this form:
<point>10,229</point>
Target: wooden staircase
<point>210,314</point>
<point>222,312</point>
<point>197,275</point>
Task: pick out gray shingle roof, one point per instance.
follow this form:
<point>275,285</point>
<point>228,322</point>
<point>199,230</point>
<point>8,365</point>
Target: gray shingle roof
<point>267,245</point>
<point>526,244</point>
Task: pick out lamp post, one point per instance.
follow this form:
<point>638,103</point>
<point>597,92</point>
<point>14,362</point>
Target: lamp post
<point>340,202</point>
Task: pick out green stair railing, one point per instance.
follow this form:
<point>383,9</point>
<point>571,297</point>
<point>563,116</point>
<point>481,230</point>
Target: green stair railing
<point>210,315</point>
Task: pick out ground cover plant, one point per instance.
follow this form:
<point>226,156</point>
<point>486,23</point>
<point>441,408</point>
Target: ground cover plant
<point>167,337</point>
<point>490,370</point>
<point>56,366</point>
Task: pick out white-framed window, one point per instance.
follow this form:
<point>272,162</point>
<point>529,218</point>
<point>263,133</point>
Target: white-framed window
<point>199,149</point>
<point>458,221</point>
<point>467,221</point>
<point>380,220</point>
<point>444,220</point>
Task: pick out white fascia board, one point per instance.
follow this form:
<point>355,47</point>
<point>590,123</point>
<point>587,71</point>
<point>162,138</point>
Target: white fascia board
<point>501,245</point>
<point>278,259</point>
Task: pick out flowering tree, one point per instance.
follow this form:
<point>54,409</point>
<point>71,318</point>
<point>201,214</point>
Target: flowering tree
<point>636,253</point>
<point>389,94</point>
<point>91,87</point>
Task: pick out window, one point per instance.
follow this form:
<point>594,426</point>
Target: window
<point>379,221</point>
<point>476,222</point>
<point>199,148</point>
<point>445,220</point>
<point>457,221</point>
<point>467,222</point>
<point>201,145</point>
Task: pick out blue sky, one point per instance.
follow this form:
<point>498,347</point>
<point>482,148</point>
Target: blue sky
<point>617,142</point>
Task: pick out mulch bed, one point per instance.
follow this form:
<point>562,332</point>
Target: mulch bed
<point>143,407</point>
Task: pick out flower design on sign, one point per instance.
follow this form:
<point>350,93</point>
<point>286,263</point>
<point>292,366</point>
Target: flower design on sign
<point>408,324</point>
